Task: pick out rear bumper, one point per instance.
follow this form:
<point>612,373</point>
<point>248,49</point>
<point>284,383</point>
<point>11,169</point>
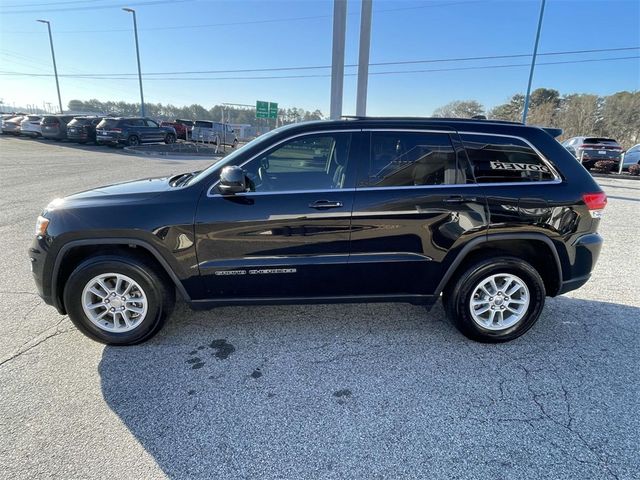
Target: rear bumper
<point>586,253</point>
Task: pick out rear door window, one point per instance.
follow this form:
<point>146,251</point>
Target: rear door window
<point>402,159</point>
<point>497,159</point>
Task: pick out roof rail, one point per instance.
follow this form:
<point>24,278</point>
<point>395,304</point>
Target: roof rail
<point>476,118</point>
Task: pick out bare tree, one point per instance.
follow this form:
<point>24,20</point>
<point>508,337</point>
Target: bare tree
<point>460,109</point>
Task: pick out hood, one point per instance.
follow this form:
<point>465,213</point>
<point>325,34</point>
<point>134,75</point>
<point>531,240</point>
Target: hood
<point>127,192</point>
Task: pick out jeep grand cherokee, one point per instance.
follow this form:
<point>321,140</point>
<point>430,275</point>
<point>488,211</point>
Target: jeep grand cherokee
<point>492,216</point>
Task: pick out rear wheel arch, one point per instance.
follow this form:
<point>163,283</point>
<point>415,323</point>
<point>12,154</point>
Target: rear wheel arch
<point>536,249</point>
<point>75,253</point>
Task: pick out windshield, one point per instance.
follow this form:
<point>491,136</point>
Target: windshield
<point>229,159</point>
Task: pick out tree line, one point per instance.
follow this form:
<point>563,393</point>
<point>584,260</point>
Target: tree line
<point>193,112</point>
<point>616,116</point>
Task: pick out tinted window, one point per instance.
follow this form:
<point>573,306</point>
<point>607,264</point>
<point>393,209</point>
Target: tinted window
<point>49,120</point>
<point>203,124</point>
<point>314,162</point>
<point>151,123</point>
<point>504,159</point>
<point>108,123</point>
<point>400,159</point>
<point>79,121</point>
<point>600,140</point>
<point>135,122</point>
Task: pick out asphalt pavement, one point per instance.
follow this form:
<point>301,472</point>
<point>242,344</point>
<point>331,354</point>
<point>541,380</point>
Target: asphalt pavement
<point>307,392</point>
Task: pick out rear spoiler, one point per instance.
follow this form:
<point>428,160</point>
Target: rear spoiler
<point>554,132</point>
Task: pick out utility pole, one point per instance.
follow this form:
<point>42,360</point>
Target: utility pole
<point>363,58</point>
<point>135,32</point>
<point>337,57</point>
<point>533,64</point>
<point>55,68</point>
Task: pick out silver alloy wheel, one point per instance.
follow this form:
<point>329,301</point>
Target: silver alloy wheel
<point>114,302</point>
<point>499,302</point>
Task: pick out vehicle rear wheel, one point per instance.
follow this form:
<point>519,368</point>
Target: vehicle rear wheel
<point>118,300</point>
<point>496,299</point>
<point>133,141</point>
<point>170,138</point>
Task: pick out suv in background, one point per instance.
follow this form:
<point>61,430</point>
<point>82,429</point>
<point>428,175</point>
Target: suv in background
<point>590,150</point>
<point>492,216</point>
<point>54,127</point>
<point>30,126</point>
<point>132,131</point>
<point>83,129</point>
<point>182,127</point>
<point>631,157</point>
<point>214,132</point>
<point>11,125</point>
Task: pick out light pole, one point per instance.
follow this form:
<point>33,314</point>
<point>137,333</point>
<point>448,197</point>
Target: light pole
<point>363,58</point>
<point>533,64</point>
<point>135,32</point>
<point>55,68</point>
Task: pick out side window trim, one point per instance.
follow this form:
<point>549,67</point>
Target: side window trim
<point>353,131</point>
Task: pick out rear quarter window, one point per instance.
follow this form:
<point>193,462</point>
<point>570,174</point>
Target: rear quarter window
<point>497,159</point>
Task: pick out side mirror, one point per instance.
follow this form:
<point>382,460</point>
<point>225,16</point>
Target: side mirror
<point>232,180</point>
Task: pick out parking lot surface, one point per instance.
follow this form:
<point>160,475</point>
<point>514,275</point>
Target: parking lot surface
<point>326,391</point>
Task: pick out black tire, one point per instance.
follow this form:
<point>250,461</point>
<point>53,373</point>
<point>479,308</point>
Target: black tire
<point>170,138</point>
<point>457,297</point>
<point>133,141</point>
<point>160,297</point>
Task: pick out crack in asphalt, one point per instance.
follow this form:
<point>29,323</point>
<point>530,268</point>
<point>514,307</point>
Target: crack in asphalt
<point>35,341</point>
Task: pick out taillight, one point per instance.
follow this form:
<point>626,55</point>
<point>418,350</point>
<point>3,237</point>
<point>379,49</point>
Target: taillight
<point>595,202</point>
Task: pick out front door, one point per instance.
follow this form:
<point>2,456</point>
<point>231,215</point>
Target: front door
<point>288,235</point>
<point>415,201</point>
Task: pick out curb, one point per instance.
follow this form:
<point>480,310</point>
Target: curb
<point>173,155</point>
<point>615,176</point>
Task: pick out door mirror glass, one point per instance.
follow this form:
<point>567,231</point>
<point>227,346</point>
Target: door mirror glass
<point>232,180</point>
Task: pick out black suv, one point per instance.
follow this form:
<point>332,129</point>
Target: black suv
<point>493,216</point>
<point>132,132</point>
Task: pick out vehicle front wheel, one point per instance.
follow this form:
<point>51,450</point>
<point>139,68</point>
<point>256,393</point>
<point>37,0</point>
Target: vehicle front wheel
<point>495,299</point>
<point>118,300</point>
<point>170,138</point>
<point>133,141</point>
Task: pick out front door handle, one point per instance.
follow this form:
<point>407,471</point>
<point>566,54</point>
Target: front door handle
<point>459,199</point>
<point>325,204</point>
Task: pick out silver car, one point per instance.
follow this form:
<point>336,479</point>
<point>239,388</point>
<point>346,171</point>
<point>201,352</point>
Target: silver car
<point>30,126</point>
<point>214,132</point>
<point>12,125</point>
<point>631,157</point>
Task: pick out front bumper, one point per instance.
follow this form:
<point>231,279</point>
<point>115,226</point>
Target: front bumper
<point>37,256</point>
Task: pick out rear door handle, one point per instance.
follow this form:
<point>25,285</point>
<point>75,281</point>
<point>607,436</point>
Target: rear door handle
<point>324,204</point>
<point>459,199</point>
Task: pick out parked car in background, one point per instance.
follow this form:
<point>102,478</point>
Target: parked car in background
<point>54,127</point>
<point>182,127</point>
<point>30,126</point>
<point>631,157</point>
<point>214,132</point>
<point>83,129</point>
<point>11,126</point>
<point>132,131</point>
<point>590,150</point>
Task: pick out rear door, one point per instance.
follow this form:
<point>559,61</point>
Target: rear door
<point>415,202</point>
<point>289,235</point>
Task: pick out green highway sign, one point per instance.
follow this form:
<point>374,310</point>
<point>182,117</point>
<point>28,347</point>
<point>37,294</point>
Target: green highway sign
<point>266,109</point>
<point>273,110</point>
<point>262,109</point>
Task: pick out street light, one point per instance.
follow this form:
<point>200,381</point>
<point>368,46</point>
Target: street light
<point>533,64</point>
<point>55,68</point>
<point>135,31</point>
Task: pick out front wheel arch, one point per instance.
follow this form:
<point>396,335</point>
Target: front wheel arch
<point>74,253</point>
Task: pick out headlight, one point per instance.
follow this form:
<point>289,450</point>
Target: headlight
<point>41,225</point>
